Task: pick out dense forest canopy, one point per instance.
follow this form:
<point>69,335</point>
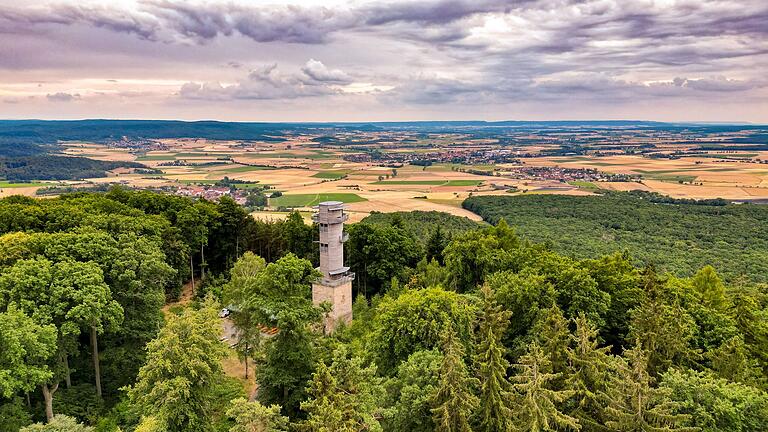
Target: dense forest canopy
<point>482,330</point>
<point>422,224</point>
<point>678,236</point>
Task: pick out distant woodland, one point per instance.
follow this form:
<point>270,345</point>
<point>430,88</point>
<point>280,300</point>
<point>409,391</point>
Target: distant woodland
<point>678,236</point>
<point>479,330</point>
<point>49,167</point>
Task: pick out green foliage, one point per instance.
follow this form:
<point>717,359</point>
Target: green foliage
<point>422,224</point>
<point>14,415</point>
<point>476,254</point>
<point>495,390</point>
<point>552,335</point>
<point>49,167</point>
<point>633,404</point>
<point>410,393</point>
<point>183,364</point>
<point>279,296</point>
<point>378,253</point>
<point>679,238</point>
<point>715,404</point>
<point>59,423</point>
<point>454,402</point>
<point>80,402</point>
<point>414,321</point>
<point>537,403</point>
<point>661,327</point>
<point>343,397</point>
<point>255,417</point>
<point>26,349</point>
<point>589,369</point>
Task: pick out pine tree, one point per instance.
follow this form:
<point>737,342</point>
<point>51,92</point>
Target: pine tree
<point>634,405</point>
<point>589,367</point>
<point>495,388</point>
<point>454,403</point>
<point>536,401</point>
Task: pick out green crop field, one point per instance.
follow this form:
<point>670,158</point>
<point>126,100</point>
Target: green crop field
<point>5,184</point>
<point>156,158</point>
<point>307,200</point>
<point>430,182</point>
<point>584,184</point>
<point>330,174</point>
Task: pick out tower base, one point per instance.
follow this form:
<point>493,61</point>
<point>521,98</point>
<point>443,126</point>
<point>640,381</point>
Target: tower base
<point>339,295</point>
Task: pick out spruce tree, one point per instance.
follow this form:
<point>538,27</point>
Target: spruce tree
<point>589,367</point>
<point>344,397</point>
<point>495,389</point>
<point>536,402</point>
<point>634,405</point>
<point>662,327</point>
<point>552,335</point>
<point>454,403</point>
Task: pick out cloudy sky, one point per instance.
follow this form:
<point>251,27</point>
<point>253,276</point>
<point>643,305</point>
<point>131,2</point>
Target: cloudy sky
<point>332,60</point>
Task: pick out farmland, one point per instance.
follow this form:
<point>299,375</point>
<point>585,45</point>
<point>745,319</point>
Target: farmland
<point>407,167</point>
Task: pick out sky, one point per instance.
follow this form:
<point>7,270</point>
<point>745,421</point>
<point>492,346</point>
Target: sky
<point>331,60</point>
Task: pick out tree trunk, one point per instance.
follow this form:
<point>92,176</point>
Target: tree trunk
<point>48,396</point>
<point>192,271</point>
<point>95,353</point>
<point>246,361</point>
<point>202,263</point>
<point>67,378</point>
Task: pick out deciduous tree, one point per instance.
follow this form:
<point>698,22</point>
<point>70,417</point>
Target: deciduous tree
<point>183,364</point>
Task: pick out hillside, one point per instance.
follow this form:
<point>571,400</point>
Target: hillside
<point>679,236</point>
<point>47,167</point>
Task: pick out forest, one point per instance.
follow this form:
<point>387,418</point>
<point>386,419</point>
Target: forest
<point>482,328</point>
<point>51,167</point>
<point>676,235</point>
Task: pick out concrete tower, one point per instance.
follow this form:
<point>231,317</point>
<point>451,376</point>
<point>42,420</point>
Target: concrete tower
<point>335,285</point>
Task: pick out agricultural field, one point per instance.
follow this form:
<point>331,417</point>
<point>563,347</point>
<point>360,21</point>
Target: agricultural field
<point>402,170</point>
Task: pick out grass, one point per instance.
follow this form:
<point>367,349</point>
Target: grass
<point>430,182</point>
<point>5,184</point>
<point>308,200</point>
<point>330,174</point>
